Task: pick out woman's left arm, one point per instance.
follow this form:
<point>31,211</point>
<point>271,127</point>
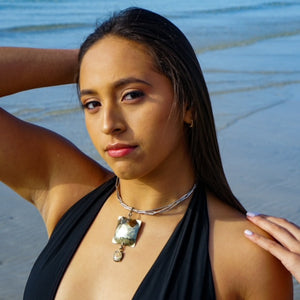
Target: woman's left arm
<point>286,247</point>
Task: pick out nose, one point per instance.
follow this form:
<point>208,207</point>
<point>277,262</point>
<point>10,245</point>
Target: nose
<point>112,120</point>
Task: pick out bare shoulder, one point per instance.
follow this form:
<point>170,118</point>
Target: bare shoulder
<point>241,269</point>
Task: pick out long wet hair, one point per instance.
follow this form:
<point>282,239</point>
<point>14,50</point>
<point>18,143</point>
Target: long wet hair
<point>175,58</point>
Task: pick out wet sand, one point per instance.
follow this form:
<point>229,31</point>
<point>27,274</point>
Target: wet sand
<point>262,165</point>
<point>22,235</point>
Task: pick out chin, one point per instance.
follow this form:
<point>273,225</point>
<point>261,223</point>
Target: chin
<point>128,173</point>
<point>125,173</point>
<point>126,169</point>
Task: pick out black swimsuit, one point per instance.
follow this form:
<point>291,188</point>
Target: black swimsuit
<point>182,271</point>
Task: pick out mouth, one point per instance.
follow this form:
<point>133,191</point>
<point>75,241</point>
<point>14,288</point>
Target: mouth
<point>119,150</point>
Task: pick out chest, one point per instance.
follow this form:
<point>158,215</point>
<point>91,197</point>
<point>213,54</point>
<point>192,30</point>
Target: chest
<point>92,273</point>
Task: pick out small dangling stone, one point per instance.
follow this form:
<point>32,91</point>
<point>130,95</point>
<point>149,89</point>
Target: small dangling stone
<point>118,255</point>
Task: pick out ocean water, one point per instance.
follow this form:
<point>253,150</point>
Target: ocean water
<point>249,53</point>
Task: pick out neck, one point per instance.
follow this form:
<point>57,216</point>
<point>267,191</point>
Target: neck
<point>151,192</point>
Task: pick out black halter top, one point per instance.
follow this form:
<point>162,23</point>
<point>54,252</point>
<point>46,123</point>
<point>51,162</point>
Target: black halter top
<point>182,271</point>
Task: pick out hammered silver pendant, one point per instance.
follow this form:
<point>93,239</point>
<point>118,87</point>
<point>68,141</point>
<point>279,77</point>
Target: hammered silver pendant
<point>126,234</point>
<point>126,231</point>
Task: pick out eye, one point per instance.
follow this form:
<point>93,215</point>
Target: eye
<point>133,95</point>
<point>91,105</point>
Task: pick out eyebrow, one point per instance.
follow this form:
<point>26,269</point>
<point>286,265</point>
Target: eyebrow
<point>116,85</point>
<point>129,80</point>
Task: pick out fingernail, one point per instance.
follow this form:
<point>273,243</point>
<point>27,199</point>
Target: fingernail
<point>251,214</point>
<point>248,232</point>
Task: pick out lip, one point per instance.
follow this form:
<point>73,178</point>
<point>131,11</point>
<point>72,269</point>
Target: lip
<point>119,150</point>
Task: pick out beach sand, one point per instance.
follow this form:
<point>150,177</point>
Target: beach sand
<point>22,235</point>
<point>260,150</point>
<point>262,165</point>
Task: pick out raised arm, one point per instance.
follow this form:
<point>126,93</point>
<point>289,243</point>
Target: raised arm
<point>38,164</point>
<point>24,148</point>
<point>27,68</point>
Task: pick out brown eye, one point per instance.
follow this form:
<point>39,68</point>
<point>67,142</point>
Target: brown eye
<point>91,105</point>
<point>133,95</point>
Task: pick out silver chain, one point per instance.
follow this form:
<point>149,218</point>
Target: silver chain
<point>155,211</point>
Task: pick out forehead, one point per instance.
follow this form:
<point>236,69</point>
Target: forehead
<point>116,54</point>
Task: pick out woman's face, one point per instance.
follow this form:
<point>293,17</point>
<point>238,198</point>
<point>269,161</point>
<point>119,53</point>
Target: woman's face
<point>128,110</point>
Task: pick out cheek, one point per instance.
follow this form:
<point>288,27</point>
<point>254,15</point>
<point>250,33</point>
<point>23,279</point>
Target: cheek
<point>156,115</point>
<point>163,132</point>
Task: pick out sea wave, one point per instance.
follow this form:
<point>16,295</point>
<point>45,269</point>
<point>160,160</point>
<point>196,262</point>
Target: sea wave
<point>40,114</point>
<point>44,27</point>
<point>236,9</point>
<point>255,88</point>
<point>243,41</point>
<point>247,114</point>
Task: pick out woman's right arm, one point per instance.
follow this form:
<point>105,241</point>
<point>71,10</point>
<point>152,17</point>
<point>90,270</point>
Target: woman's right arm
<point>41,166</point>
<point>24,148</point>
<point>27,68</point>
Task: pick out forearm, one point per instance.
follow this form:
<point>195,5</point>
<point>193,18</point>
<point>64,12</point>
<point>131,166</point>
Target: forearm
<point>28,68</point>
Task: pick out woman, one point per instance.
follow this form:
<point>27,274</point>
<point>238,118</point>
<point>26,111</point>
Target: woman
<point>165,223</point>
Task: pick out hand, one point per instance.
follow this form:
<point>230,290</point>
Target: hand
<point>286,246</point>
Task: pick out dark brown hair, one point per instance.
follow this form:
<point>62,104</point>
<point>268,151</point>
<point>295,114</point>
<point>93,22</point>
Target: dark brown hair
<point>175,58</point>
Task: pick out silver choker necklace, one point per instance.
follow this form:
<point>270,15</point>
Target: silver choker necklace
<point>127,228</point>
<point>152,212</point>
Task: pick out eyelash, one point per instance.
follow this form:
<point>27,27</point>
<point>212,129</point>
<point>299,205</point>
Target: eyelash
<point>133,95</point>
<point>95,103</point>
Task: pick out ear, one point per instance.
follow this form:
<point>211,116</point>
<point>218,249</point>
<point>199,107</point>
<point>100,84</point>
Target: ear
<point>188,116</point>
